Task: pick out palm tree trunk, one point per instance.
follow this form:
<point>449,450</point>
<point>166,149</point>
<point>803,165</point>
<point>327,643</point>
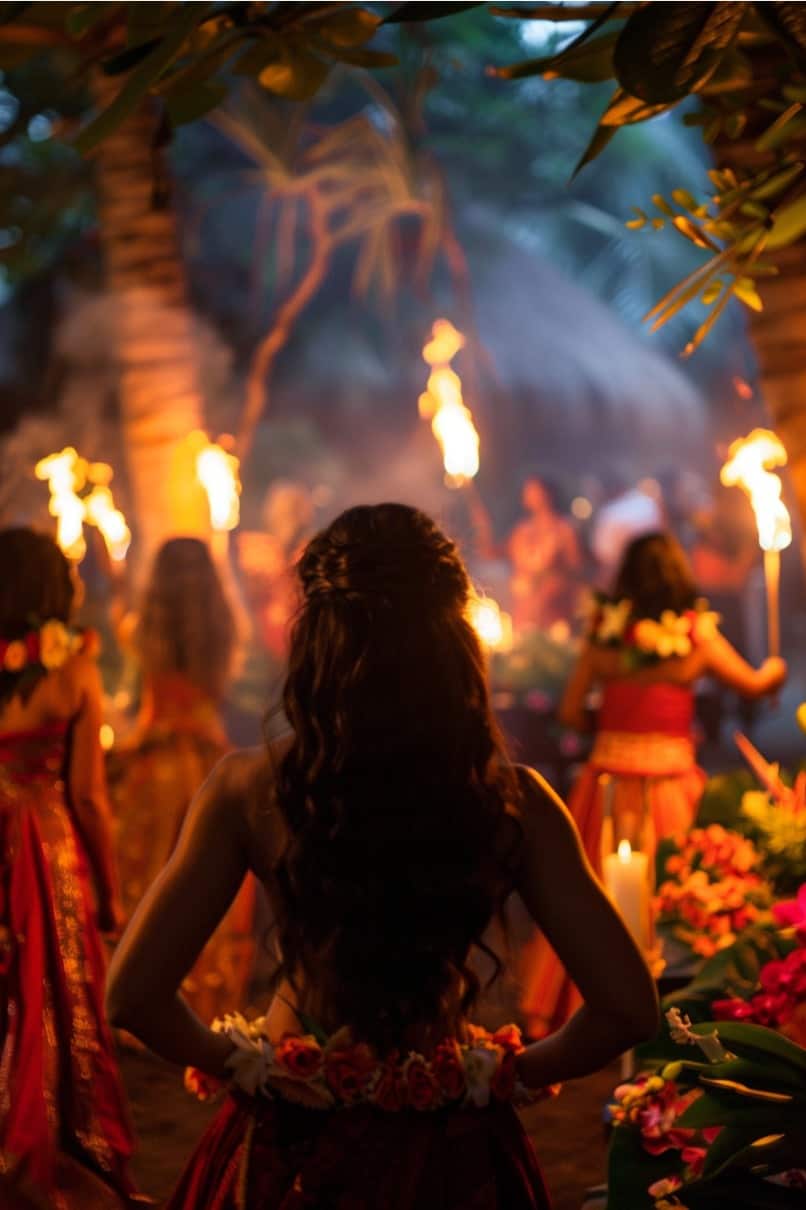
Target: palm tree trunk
<point>160,399</point>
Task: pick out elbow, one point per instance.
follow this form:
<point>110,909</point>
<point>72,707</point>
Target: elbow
<point>642,1020</point>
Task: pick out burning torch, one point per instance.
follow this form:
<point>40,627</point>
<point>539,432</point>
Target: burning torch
<point>749,466</point>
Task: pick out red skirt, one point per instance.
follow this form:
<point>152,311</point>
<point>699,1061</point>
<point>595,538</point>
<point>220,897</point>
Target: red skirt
<point>273,1155</point>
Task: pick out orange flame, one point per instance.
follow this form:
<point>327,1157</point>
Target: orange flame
<point>442,404</point>
<point>749,466</point>
<point>66,474</point>
<point>492,625</point>
<point>217,471</point>
<point>101,511</point>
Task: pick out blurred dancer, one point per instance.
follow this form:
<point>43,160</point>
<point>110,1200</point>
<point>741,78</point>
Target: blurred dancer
<point>65,1139</point>
<point>546,562</point>
<point>646,648</point>
<point>185,640</point>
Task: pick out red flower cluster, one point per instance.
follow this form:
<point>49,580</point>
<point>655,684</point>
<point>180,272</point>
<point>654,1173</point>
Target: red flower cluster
<point>781,1002</point>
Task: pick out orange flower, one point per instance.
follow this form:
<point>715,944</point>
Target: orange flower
<point>389,1092</point>
<point>503,1082</point>
<point>422,1090</point>
<point>348,1070</point>
<point>448,1069</point>
<point>16,656</point>
<point>200,1085</point>
<point>300,1056</point>
<point>508,1037</point>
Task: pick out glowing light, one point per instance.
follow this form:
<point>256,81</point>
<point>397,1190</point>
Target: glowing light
<point>749,464</point>
<point>491,623</point>
<point>625,851</point>
<point>100,511</point>
<point>107,736</point>
<point>581,508</point>
<point>217,471</point>
<point>67,474</point>
<point>442,404</point>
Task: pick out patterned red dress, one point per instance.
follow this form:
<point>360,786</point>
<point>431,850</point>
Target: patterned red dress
<point>273,1155</point>
<point>65,1139</point>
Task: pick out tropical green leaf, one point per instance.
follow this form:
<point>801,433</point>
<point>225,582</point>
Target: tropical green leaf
<point>138,83</point>
<point>782,129</point>
<point>298,75</point>
<point>731,1143</point>
<point>351,27</point>
<point>590,64</point>
<point>601,137</point>
<point>664,54</point>
<point>727,1109</point>
<point>191,103</point>
<point>624,109</point>
<point>755,1038</point>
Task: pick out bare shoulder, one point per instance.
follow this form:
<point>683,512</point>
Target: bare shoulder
<point>542,812</point>
<point>249,780</point>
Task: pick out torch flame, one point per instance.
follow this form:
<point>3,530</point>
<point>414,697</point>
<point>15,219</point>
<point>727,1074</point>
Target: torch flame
<point>67,474</point>
<point>748,466</point>
<point>100,510</point>
<point>492,625</point>
<point>442,404</point>
<point>217,471</point>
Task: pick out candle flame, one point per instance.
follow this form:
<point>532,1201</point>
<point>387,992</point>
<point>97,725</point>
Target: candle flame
<point>442,404</point>
<point>67,474</point>
<point>749,464</point>
<point>624,851</point>
<point>492,625</point>
<point>217,471</point>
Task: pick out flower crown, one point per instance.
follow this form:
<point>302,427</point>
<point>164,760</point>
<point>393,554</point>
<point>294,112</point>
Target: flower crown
<point>323,1073</point>
<point>46,646</point>
<point>647,640</point>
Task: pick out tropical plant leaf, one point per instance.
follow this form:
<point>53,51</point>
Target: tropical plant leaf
<point>755,1038</point>
<point>601,137</point>
<point>426,12</point>
<point>788,224</point>
<point>191,103</point>
<point>298,75</point>
<point>663,54</point>
<point>726,1109</point>
<point>138,83</point>
<point>350,27</point>
<point>590,64</point>
<point>788,22</point>
<point>731,1142</point>
<point>129,58</point>
<point>624,109</point>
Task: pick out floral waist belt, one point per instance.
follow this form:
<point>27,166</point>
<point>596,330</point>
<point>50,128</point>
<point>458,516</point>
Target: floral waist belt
<point>642,754</point>
<point>329,1073</point>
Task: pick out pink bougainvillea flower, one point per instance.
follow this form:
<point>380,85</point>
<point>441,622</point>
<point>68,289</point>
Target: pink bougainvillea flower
<point>792,912</point>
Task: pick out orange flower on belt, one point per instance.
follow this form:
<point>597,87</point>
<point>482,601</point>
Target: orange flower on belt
<point>300,1056</point>
<point>348,1070</point>
<point>508,1037</point>
<point>421,1087</point>
<point>448,1069</point>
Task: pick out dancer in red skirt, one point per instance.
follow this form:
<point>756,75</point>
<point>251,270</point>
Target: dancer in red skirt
<point>64,1132</point>
<point>389,828</point>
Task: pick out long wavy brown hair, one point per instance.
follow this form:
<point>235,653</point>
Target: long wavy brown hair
<point>186,624</point>
<point>394,791</point>
<point>655,575</point>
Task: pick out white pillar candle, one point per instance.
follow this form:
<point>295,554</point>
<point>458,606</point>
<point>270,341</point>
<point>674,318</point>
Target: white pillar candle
<point>627,883</point>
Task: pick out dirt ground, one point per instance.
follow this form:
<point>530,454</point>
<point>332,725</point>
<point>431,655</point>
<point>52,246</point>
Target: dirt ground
<point>567,1133</point>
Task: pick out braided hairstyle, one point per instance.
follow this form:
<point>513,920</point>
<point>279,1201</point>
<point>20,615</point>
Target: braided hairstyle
<point>655,575</point>
<point>394,791</point>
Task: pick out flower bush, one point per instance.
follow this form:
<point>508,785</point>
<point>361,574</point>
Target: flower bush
<point>710,889</point>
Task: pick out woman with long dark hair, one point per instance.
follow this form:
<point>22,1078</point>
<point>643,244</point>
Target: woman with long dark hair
<point>64,1133</point>
<point>648,644</point>
<point>184,639</point>
<point>388,827</point>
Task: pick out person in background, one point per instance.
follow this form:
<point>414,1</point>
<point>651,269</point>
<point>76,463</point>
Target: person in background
<point>389,827</point>
<point>184,639</point>
<point>646,648</point>
<point>65,1139</point>
<point>546,562</point>
<point>627,513</point>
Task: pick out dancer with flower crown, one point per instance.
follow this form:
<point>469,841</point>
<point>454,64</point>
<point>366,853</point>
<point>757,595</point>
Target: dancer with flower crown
<point>647,646</point>
<point>389,828</point>
<point>65,1140</point>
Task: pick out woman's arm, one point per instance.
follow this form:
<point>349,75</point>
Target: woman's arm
<point>572,711</point>
<point>86,782</point>
<point>724,662</point>
<point>567,902</point>
<point>177,916</point>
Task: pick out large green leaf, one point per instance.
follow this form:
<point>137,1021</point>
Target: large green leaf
<point>731,1142</point>
<point>625,109</point>
<point>298,74</point>
<point>667,51</point>
<point>631,1170</point>
<point>601,137</point>
<point>138,83</point>
<point>729,1109</point>
<point>747,1039</point>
